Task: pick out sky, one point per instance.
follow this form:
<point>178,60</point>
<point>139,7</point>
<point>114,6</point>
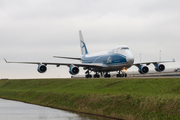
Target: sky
<point>37,30</point>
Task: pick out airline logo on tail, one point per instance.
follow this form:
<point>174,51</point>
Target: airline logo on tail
<point>83,48</point>
<point>82,44</point>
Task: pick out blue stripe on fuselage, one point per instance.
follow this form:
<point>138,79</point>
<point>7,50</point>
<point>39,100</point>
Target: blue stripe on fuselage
<point>113,59</point>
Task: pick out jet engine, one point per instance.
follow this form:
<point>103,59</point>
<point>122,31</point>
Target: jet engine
<point>159,67</point>
<point>143,69</point>
<point>74,70</point>
<point>42,68</point>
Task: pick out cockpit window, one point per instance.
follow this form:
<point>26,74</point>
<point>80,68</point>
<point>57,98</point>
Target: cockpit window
<point>124,48</point>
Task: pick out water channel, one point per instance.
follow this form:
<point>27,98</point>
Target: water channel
<point>14,110</point>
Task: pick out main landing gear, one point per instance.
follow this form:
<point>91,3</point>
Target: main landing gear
<point>88,75</point>
<point>107,75</point>
<point>121,75</point>
<point>96,75</point>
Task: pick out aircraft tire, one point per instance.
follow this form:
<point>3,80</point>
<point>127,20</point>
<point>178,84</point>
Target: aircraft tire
<point>106,75</point>
<point>88,76</point>
<point>96,75</point>
<point>125,75</point>
<point>118,75</point>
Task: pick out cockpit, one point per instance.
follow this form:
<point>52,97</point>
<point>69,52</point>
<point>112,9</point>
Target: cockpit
<point>124,48</point>
<point>118,49</point>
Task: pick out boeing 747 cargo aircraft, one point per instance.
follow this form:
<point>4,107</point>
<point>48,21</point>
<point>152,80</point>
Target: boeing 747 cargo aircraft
<point>117,59</point>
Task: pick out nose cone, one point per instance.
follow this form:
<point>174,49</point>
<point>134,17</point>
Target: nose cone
<point>130,58</point>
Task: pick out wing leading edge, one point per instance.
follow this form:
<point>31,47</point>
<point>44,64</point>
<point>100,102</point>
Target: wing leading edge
<point>58,64</point>
<point>154,63</point>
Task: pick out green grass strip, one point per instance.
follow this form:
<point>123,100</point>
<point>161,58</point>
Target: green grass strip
<point>130,98</point>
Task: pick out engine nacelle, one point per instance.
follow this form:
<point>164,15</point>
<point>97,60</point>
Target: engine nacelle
<point>42,68</point>
<point>160,67</point>
<point>143,69</point>
<point>74,70</point>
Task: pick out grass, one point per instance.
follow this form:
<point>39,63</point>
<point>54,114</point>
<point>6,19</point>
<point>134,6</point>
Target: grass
<point>131,98</point>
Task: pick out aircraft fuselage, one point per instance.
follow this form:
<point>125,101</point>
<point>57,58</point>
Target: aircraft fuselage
<point>118,58</point>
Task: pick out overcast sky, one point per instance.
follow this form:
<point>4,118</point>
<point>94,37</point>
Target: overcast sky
<point>36,30</point>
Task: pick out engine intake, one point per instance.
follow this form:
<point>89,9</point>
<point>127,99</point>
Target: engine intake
<point>74,70</point>
<point>160,67</point>
<point>143,69</point>
<point>42,68</point>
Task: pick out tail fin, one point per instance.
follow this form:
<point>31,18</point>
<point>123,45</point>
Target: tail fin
<point>82,44</point>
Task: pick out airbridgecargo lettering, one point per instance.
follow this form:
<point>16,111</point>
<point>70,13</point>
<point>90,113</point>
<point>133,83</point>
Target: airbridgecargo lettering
<point>117,59</point>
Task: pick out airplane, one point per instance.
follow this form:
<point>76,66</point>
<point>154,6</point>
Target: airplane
<point>118,59</point>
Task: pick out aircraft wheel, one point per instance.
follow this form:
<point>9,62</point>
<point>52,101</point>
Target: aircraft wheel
<point>118,75</point>
<point>125,74</point>
<point>98,75</point>
<point>95,75</point>
<point>109,75</point>
<point>89,76</point>
<point>122,75</point>
<point>105,76</point>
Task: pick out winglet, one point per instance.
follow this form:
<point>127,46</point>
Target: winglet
<point>5,60</point>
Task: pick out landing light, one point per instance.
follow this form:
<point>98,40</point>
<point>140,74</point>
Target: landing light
<point>124,70</point>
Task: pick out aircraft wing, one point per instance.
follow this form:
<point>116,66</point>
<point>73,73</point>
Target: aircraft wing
<point>154,63</point>
<point>58,64</point>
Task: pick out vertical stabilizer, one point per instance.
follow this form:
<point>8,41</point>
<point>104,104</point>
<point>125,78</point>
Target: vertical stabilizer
<point>82,44</point>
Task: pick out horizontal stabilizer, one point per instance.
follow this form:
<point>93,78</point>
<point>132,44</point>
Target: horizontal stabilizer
<point>67,57</point>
